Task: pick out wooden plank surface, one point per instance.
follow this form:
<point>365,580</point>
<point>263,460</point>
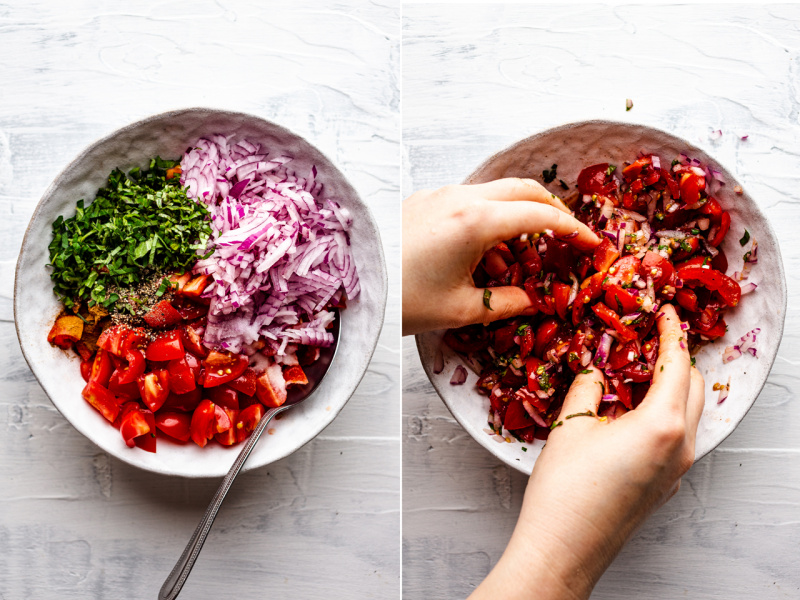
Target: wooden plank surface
<point>75,523</point>
<point>477,78</point>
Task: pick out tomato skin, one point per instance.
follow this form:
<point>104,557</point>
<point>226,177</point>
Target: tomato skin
<point>294,375</point>
<point>101,399</point>
<point>544,334</point>
<point>154,388</point>
<point>167,346</point>
<point>721,230</point>
<point>175,424</point>
<point>559,258</point>
<point>687,299</point>
<point>717,331</point>
<point>135,368</point>
<point>531,365</point>
<point>220,371</point>
<point>195,287</point>
<point>245,383</point>
<point>181,377</point>
<point>622,390</point>
<point>128,391</point>
<point>561,295</point>
<point>248,420</point>
<point>132,424</point>
<point>633,170</point>
<point>637,371</point>
<point>223,396</point>
<point>504,337</point>
<point>202,422</point>
<point>575,351</point>
<point>623,270</point>
<point>664,271</point>
<point>712,279</point>
<point>184,402</point>
<point>86,370</point>
<point>595,180</point>
<point>162,315</point>
<point>228,437</point>
<point>611,319</point>
<point>526,343</point>
<point>622,300</point>
<point>712,208</point>
<point>147,442</point>
<point>271,387</point>
<point>112,339</point>
<point>516,416</point>
<point>691,185</point>
<point>102,367</point>
<point>623,355</point>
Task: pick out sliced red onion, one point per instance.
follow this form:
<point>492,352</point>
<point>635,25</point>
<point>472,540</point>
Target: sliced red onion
<point>459,376</point>
<point>748,287</point>
<point>656,161</point>
<point>586,357</point>
<point>723,391</point>
<point>610,235</point>
<point>731,353</point>
<point>673,234</point>
<point>573,292</point>
<point>703,223</point>
<point>281,253</point>
<point>621,239</point>
<point>569,236</point>
<point>632,215</point>
<point>646,231</point>
<point>603,348</point>
<point>541,394</point>
<point>744,137</point>
<point>534,414</point>
<point>708,247</point>
<point>438,361</point>
<point>610,397</point>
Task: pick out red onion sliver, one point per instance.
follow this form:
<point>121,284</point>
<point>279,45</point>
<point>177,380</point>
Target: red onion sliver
<point>459,376</point>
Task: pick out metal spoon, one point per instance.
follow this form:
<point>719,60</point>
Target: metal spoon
<point>315,373</point>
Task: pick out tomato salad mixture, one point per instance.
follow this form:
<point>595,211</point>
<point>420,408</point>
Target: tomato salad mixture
<point>196,291</point>
<point>661,229</point>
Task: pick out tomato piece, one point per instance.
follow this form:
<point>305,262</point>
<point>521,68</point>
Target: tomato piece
<point>223,396</point>
<point>688,246</point>
<point>717,331</point>
<point>135,368</point>
<point>544,335</point>
<point>623,354</point>
<point>185,402</point>
<point>687,299</point>
<point>181,376</point>
<point>147,442</point>
<point>504,337</point>
<point>674,188</point>
<point>717,232</point>
<point>86,370</point>
<point>516,416</point>
<point>112,339</point>
<point>638,372</point>
<point>637,186</point>
<point>659,268</point>
<point>622,390</point>
<point>134,339</point>
<point>202,423</point>
<point>66,331</point>
<point>102,367</point>
<point>246,382</point>
<point>561,295</point>
<point>167,346</point>
<point>248,420</point>
<point>133,424</point>
<point>575,351</point>
<point>514,275</point>
<point>633,170</point>
<point>154,388</point>
<point>196,287</point>
<point>189,311</point>
<point>712,279</point>
<point>532,368</point>
<point>623,270</point>
<point>719,262</point>
<point>179,281</point>
<point>559,258</point>
<point>101,399</point>
<point>622,300</point>
<point>271,387</point>
<point>691,185</point>
<point>494,264</point>
<point>712,208</point>
<point>591,289</point>
<point>611,319</point>
<point>175,424</point>
<point>127,391</point>
<point>294,375</point>
<point>228,437</point>
<point>526,342</point>
<point>223,367</point>
<point>596,180</point>
<point>162,315</point>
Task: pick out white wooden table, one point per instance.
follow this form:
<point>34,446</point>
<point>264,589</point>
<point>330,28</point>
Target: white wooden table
<point>75,523</point>
<point>476,79</point>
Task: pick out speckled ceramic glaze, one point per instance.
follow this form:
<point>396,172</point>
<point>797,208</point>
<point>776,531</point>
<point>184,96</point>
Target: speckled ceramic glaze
<point>168,135</point>
<point>578,145</point>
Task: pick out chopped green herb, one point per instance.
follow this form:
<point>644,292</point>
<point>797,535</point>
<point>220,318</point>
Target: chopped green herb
<point>660,216</point>
<point>695,231</point>
<point>611,169</point>
<point>694,361</point>
<point>521,329</point>
<point>572,356</point>
<point>524,449</point>
<point>745,238</point>
<point>662,368</point>
<point>138,225</point>
<point>549,175</point>
<point>586,371</point>
<point>676,162</point>
<point>588,413</point>
<point>554,425</point>
<point>747,256</point>
<point>487,296</point>
<point>563,184</point>
<point>685,246</point>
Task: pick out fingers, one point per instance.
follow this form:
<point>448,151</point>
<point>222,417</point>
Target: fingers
<point>514,189</point>
<point>507,220</point>
<point>672,376</point>
<point>503,303</point>
<point>584,394</point>
<point>695,404</point>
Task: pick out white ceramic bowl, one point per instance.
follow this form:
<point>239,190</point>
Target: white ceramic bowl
<point>578,145</point>
<point>168,135</point>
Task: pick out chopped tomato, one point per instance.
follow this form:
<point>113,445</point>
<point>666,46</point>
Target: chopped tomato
<point>248,420</point>
<point>102,400</point>
<point>163,315</point>
<point>611,319</point>
<point>228,437</point>
<point>561,295</point>
<point>186,402</point>
<point>112,339</point>
<point>516,416</point>
<point>102,367</point>
<point>223,396</point>
<point>546,332</point>
<point>659,268</point>
<point>687,299</point>
<point>175,424</point>
<point>712,279</point>
<point>86,370</point>
<point>294,375</point>
<point>135,368</point>
<point>181,377</point>
<point>691,185</point>
<point>167,346</point>
<point>623,270</point>
<point>154,388</point>
<point>623,354</point>
<point>622,300</point>
<point>128,391</point>
<point>196,286</point>
<point>246,382</point>
<point>223,367</point>
<point>202,425</point>
<point>718,231</point>
<point>271,387</point>
<point>526,343</point>
<point>596,180</point>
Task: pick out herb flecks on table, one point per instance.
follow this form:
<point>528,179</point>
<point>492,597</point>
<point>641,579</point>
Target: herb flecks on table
<point>139,225</point>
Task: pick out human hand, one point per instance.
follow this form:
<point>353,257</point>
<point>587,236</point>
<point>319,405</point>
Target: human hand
<point>446,233</point>
<point>596,482</point>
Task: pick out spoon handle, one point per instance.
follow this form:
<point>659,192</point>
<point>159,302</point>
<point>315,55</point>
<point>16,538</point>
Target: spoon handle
<point>180,572</point>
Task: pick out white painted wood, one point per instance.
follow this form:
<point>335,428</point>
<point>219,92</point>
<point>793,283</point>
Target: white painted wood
<point>75,523</point>
<point>477,78</point>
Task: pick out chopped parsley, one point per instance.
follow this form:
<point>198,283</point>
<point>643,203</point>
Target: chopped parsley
<point>139,225</point>
<point>694,361</point>
<point>487,296</point>
<point>554,425</point>
<point>588,413</point>
<point>611,169</point>
<point>586,371</point>
<point>524,449</point>
<point>745,238</point>
<point>563,184</point>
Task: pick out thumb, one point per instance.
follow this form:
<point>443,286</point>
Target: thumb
<point>492,304</point>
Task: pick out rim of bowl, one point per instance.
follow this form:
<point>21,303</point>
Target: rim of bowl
<point>382,296</point>
<point>691,148</point>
